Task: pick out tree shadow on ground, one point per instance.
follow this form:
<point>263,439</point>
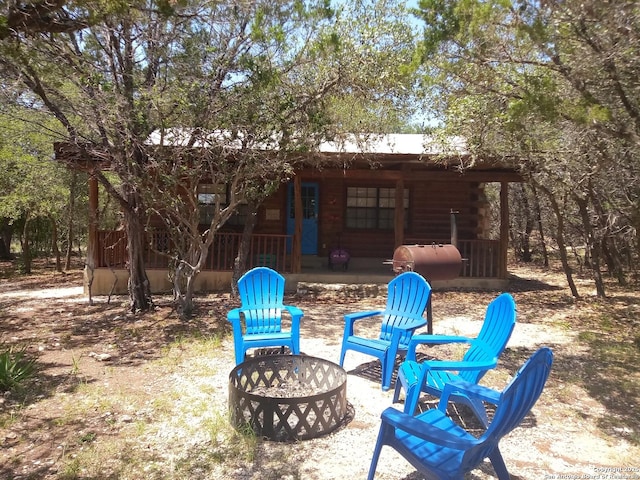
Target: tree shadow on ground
<point>605,371</point>
<point>62,335</point>
<point>521,284</point>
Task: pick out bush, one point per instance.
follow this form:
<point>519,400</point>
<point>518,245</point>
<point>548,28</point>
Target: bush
<point>15,368</point>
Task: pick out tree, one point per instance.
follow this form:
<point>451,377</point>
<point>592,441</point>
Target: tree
<point>40,16</point>
<point>116,81</point>
<point>550,85</point>
<point>31,185</point>
<point>268,123</point>
<point>261,74</point>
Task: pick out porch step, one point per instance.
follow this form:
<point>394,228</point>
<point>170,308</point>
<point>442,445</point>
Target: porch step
<point>359,264</point>
<point>340,290</point>
<point>364,277</point>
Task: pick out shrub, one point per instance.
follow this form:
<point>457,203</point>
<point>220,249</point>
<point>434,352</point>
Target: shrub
<point>15,368</point>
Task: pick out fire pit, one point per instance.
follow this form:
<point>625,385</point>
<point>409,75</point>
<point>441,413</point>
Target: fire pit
<point>288,397</point>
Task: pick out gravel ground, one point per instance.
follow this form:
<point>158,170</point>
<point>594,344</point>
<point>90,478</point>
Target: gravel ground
<point>128,391</point>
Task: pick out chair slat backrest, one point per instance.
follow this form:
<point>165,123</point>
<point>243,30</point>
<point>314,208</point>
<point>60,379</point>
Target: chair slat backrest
<point>499,321</point>
<point>476,353</point>
<point>407,297</point>
<point>516,401</point>
<point>262,295</point>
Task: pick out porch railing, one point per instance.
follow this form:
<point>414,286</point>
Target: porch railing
<point>480,258</point>
<point>265,250</point>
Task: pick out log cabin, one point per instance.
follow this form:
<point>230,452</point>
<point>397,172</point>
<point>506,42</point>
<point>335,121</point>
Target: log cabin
<point>367,200</point>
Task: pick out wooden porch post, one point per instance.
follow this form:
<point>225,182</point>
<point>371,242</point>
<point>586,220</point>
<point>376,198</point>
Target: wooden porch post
<point>399,213</point>
<point>504,228</point>
<point>92,248</point>
<point>296,242</point>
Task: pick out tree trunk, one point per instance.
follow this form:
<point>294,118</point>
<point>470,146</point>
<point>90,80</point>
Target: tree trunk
<point>538,214</point>
<point>562,247</point>
<point>72,202</point>
<point>593,246</point>
<point>138,284</point>
<point>613,259</point>
<point>6,232</point>
<point>25,243</point>
<point>54,244</point>
<point>522,227</point>
<point>186,272</point>
<point>612,255</point>
<point>183,286</point>
<point>4,250</point>
<point>188,296</point>
<point>527,256</point>
<point>240,262</point>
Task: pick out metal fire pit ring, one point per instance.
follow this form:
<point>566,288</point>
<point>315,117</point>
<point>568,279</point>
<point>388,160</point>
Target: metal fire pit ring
<point>288,397</point>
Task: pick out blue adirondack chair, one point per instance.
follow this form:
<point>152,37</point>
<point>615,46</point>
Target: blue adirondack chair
<point>258,321</point>
<point>482,355</point>
<point>440,449</point>
<point>407,297</point>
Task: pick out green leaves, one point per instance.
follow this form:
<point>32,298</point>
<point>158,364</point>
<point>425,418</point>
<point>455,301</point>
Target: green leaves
<point>442,23</point>
<point>30,184</point>
<point>15,368</point>
<point>288,74</point>
<point>552,86</point>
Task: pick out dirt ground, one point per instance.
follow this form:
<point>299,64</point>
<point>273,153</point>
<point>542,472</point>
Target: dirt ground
<point>123,396</point>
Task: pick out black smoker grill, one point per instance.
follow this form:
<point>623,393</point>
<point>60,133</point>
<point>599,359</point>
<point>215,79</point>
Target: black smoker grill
<point>433,262</point>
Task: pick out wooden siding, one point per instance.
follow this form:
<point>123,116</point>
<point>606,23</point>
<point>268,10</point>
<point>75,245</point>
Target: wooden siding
<point>431,207</point>
<point>331,212</point>
<point>267,223</point>
<point>429,215</point>
<point>431,203</point>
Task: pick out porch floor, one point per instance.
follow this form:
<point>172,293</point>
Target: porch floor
<point>363,277</point>
<point>369,271</point>
<point>360,270</point>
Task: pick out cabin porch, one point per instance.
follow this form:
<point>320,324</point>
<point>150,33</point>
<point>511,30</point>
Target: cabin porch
<point>480,266</point>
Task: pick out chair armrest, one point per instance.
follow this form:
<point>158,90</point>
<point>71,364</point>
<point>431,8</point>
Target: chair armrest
<point>421,429</point>
<point>433,340</point>
<point>398,332</point>
<point>350,317</point>
<point>233,316</point>
<point>458,365</point>
<point>296,315</point>
<point>416,322</point>
<point>295,312</point>
<point>470,390</point>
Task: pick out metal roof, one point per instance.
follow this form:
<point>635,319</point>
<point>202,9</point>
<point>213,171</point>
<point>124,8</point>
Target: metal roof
<point>361,143</point>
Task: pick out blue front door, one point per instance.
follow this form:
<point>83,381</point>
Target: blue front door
<point>309,217</point>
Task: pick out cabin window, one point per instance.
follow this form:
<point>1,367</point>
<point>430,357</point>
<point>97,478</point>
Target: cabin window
<point>208,194</point>
<point>373,207</point>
